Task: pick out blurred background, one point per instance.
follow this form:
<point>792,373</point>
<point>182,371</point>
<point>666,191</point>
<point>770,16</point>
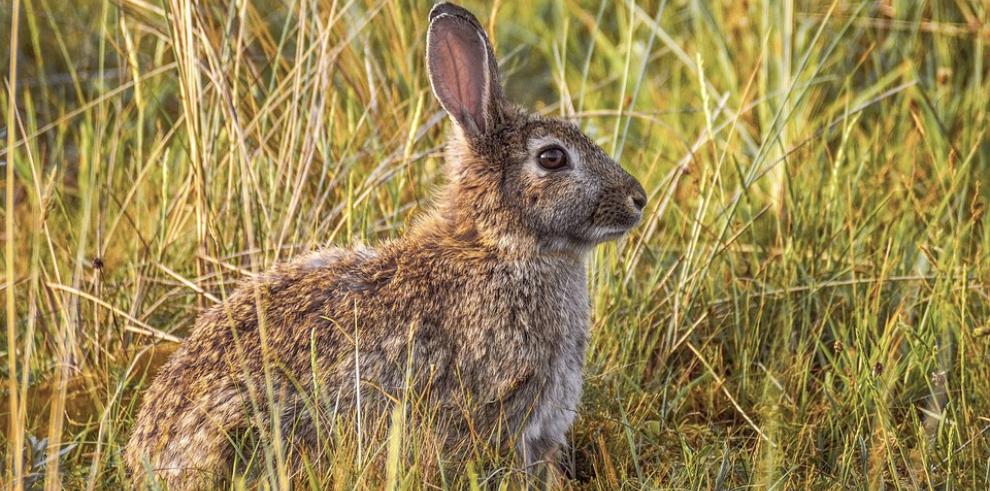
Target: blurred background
<point>804,305</point>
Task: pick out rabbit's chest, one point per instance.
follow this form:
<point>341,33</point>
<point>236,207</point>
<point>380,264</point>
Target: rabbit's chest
<point>547,327</point>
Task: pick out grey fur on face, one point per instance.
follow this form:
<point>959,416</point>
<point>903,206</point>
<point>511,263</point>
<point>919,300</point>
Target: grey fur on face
<point>480,313</point>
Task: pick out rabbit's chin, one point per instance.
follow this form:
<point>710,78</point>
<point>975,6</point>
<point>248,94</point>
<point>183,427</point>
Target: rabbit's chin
<point>610,233</point>
<point>600,234</point>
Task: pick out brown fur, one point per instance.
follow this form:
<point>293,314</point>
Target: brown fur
<point>482,307</point>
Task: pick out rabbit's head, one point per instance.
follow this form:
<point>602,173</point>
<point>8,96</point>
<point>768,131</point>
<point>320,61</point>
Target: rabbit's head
<point>518,181</point>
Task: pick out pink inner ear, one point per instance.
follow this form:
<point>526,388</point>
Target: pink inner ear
<point>458,70</point>
<point>467,88</point>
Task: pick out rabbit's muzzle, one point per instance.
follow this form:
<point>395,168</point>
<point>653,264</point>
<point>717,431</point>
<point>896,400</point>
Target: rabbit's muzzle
<point>619,209</point>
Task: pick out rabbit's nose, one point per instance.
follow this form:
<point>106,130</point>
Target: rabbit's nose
<point>637,197</point>
<point>638,201</point>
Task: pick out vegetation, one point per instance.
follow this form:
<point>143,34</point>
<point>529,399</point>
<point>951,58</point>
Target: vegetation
<point>804,305</point>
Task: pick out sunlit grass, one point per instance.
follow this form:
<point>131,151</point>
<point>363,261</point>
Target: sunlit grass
<point>804,305</point>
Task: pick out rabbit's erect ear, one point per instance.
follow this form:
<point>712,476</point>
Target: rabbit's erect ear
<point>463,69</point>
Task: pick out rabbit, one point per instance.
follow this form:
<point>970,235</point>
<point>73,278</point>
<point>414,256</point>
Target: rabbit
<point>483,303</point>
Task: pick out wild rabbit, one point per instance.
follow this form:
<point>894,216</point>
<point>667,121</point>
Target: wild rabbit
<point>483,305</point>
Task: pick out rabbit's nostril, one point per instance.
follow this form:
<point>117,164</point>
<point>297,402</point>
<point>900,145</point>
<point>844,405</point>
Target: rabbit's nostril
<point>638,200</point>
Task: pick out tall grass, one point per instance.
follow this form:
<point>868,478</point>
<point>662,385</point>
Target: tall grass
<point>805,304</point>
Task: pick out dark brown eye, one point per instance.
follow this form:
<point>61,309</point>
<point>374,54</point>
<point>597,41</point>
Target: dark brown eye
<point>553,158</point>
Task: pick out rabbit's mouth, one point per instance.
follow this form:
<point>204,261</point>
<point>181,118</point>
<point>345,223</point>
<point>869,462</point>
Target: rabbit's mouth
<point>617,225</point>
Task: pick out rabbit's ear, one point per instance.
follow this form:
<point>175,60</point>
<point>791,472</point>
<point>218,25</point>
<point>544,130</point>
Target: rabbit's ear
<point>463,69</point>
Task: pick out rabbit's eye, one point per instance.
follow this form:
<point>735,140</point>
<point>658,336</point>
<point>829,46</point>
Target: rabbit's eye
<point>553,158</point>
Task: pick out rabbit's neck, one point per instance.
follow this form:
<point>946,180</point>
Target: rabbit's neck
<point>463,238</point>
